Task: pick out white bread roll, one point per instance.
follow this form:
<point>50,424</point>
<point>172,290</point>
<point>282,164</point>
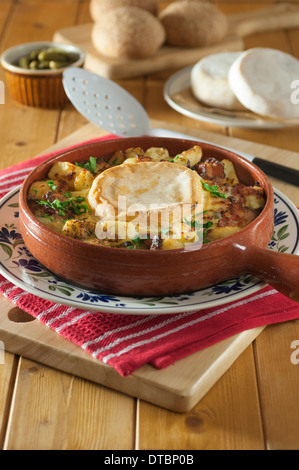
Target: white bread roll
<point>98,8</point>
<point>209,81</point>
<point>193,24</point>
<point>128,32</point>
<point>261,79</point>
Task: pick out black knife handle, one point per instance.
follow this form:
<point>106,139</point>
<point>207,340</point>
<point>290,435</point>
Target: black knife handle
<point>280,172</point>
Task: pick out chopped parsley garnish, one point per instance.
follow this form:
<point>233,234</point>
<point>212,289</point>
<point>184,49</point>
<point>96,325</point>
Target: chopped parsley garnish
<point>199,226</point>
<point>214,190</point>
<point>90,165</point>
<point>130,247</point>
<point>193,223</point>
<point>78,199</point>
<point>165,231</point>
<point>172,160</point>
<point>134,242</point>
<point>72,204</point>
<point>206,227</point>
<point>47,216</point>
<point>51,185</point>
<point>80,209</point>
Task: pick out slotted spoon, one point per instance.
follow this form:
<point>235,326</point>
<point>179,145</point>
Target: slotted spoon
<point>107,105</point>
<point>110,107</point>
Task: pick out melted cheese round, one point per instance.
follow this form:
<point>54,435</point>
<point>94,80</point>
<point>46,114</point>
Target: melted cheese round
<point>150,185</point>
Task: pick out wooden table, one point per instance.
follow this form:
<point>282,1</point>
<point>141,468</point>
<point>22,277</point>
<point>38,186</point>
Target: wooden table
<point>253,406</point>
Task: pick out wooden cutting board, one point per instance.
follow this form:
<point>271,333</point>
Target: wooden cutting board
<point>178,387</point>
<point>273,18</point>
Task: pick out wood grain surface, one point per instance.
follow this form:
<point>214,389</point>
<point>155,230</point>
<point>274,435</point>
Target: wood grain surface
<point>255,403</point>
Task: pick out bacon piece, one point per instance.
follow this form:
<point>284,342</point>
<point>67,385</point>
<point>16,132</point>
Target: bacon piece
<point>210,169</point>
<point>143,158</point>
<point>235,215</point>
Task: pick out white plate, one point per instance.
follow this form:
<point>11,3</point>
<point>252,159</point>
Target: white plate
<point>181,81</point>
<point>22,269</point>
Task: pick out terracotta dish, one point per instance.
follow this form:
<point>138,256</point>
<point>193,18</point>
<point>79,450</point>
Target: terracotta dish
<point>161,272</point>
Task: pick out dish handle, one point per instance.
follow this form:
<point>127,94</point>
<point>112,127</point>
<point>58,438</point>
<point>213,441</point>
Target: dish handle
<point>279,270</point>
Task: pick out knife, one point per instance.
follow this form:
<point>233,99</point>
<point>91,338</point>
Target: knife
<point>275,170</point>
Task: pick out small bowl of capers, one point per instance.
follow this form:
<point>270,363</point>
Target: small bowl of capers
<point>34,72</point>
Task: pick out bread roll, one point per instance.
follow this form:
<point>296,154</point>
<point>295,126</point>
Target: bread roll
<point>193,24</point>
<point>209,81</point>
<point>261,79</point>
<point>128,32</point>
<point>99,7</point>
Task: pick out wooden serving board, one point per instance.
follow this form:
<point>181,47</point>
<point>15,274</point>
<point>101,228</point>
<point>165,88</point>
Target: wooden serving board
<point>276,17</point>
<point>178,387</point>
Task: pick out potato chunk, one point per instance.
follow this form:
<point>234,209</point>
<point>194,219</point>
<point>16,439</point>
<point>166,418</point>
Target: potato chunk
<point>71,174</point>
<point>79,229</point>
<point>83,180</point>
<point>157,154</point>
<point>191,156</point>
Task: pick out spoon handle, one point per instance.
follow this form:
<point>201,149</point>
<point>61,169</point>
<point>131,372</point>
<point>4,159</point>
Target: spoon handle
<point>279,270</point>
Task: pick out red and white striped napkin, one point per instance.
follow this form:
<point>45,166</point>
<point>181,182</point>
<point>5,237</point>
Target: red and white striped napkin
<point>127,342</point>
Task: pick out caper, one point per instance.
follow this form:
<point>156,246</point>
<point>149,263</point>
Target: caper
<point>34,54</point>
<point>45,64</point>
<point>33,65</point>
<point>24,62</point>
<point>55,49</point>
<point>58,65</point>
<point>48,58</point>
<point>54,55</point>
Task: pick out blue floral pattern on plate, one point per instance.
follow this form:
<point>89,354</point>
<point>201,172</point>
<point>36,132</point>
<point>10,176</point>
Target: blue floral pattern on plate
<point>22,269</point>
